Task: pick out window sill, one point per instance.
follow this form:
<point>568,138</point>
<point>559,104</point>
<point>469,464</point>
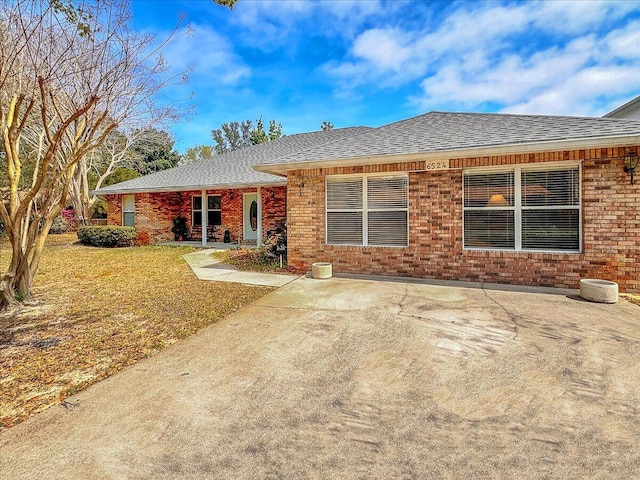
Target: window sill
<point>552,252</point>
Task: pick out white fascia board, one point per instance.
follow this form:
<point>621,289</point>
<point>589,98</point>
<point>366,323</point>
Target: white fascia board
<point>630,105</point>
<point>508,149</point>
<point>188,188</point>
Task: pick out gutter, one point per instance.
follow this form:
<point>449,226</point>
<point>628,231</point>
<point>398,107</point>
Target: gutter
<point>508,149</point>
<point>189,188</point>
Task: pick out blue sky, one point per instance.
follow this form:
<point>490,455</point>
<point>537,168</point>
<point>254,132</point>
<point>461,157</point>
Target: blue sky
<point>372,62</point>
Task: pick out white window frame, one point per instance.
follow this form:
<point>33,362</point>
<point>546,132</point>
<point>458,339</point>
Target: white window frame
<point>365,209</point>
<point>201,209</point>
<point>517,204</point>
<point>125,211</point>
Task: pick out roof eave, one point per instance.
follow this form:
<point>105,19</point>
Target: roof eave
<point>188,188</point>
<point>623,108</point>
<point>507,149</point>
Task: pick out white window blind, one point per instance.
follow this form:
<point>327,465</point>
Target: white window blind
<point>345,211</point>
<point>367,210</point>
<point>128,210</point>
<point>387,202</point>
<point>489,215</point>
<point>527,208</point>
<point>551,210</point>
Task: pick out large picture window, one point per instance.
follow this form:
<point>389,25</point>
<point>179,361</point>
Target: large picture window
<point>525,208</point>
<point>367,210</point>
<point>128,211</point>
<point>214,210</point>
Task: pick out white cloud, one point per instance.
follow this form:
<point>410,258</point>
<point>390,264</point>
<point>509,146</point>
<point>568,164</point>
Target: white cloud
<point>209,54</point>
<point>275,22</point>
<point>576,94</point>
<point>384,49</point>
<point>625,42</point>
<point>549,57</point>
<point>572,17</point>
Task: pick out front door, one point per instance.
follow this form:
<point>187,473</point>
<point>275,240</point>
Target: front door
<point>250,216</point>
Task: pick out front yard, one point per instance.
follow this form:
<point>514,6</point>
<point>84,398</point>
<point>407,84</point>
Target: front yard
<point>95,311</point>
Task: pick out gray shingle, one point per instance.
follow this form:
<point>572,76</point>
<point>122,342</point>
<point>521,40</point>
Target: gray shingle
<point>442,131</point>
<point>429,133</point>
<point>233,169</point>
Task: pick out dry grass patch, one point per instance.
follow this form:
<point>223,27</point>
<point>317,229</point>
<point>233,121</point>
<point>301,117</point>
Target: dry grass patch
<point>632,298</point>
<point>97,310</point>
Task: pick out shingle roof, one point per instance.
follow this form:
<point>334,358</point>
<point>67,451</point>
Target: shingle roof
<point>442,131</point>
<point>232,169</point>
<point>431,133</point>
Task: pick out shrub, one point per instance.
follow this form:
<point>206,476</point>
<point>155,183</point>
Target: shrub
<point>275,245</point>
<point>107,236</point>
<point>59,226</point>
<point>69,215</point>
<point>99,209</point>
<point>180,229</point>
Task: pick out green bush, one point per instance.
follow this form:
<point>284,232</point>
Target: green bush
<point>180,229</point>
<point>59,226</point>
<point>107,236</point>
<point>99,209</point>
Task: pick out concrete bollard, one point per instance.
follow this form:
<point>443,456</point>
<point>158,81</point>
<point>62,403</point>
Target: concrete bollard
<point>321,270</point>
<point>601,291</point>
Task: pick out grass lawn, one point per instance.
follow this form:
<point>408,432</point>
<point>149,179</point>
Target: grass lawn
<point>95,311</point>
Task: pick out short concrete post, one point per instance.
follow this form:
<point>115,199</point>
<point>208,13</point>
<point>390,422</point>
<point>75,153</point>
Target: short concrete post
<point>321,270</point>
<point>601,291</point>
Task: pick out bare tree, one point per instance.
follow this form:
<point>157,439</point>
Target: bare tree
<point>234,135</point>
<point>131,150</point>
<point>63,90</point>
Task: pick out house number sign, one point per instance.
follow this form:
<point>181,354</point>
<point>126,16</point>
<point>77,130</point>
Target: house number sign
<point>436,164</point>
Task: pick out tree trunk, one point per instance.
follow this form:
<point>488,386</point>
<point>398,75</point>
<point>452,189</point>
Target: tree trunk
<point>7,293</point>
<point>79,193</point>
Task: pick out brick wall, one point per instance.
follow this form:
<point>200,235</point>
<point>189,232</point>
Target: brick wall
<point>274,208</point>
<point>155,211</point>
<point>611,226</point>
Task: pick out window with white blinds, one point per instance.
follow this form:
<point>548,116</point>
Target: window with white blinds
<point>526,208</point>
<point>367,210</point>
<point>128,211</point>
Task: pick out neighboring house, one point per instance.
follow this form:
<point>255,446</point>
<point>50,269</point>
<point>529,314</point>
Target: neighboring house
<point>522,199</point>
<point>220,194</point>
<point>629,111</point>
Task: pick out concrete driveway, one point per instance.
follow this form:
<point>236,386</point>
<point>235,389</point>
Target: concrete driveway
<point>347,378</point>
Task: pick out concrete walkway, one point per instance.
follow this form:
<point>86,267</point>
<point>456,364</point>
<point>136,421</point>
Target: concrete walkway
<point>207,267</point>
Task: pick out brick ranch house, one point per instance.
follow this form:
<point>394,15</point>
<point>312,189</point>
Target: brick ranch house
<point>521,199</point>
<point>214,195</point>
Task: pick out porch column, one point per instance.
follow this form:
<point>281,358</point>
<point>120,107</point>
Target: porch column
<point>259,240</point>
<point>205,217</point>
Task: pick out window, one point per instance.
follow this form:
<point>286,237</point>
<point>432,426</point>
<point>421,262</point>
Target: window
<point>214,210</point>
<point>367,210</point>
<point>525,208</point>
<point>128,210</point>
